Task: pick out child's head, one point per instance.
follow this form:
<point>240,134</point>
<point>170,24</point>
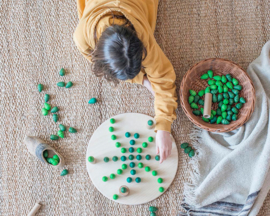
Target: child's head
<point>118,54</point>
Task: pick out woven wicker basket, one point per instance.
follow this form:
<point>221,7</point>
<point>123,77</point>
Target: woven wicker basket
<point>192,80</point>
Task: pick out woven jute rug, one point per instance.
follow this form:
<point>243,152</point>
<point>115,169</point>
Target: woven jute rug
<point>36,41</point>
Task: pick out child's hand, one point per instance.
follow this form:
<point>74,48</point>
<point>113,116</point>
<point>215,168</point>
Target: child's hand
<point>163,144</point>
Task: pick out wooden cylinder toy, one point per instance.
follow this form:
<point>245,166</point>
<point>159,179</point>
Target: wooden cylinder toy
<point>34,210</point>
<point>124,190</point>
<point>207,105</point>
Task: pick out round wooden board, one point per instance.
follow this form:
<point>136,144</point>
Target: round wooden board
<point>101,145</point>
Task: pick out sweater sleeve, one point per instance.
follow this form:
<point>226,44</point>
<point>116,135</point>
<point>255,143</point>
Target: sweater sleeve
<point>162,76</point>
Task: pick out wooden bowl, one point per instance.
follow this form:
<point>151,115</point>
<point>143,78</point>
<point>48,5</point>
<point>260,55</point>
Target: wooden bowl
<point>192,80</point>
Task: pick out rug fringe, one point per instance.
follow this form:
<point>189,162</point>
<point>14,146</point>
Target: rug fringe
<point>189,188</point>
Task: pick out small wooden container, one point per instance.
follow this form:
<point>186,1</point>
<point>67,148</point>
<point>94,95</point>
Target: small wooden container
<point>191,80</point>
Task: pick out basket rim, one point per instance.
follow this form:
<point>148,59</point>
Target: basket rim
<point>209,127</point>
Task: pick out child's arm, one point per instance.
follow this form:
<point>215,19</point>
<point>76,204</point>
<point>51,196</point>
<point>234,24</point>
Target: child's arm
<point>162,77</point>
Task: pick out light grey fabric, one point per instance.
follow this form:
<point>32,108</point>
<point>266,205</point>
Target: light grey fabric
<point>230,167</point>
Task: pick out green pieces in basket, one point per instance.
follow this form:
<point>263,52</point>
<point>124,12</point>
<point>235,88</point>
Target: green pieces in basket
<point>210,73</point>
<point>201,93</point>
<point>229,77</point>
<point>235,81</point>
<point>196,112</point>
<point>225,91</point>
<point>194,106</point>
<point>218,78</point>
<point>192,92</point>
<point>205,76</point>
<point>190,99</point>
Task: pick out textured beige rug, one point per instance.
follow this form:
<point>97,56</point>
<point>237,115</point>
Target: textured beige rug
<point>36,41</point>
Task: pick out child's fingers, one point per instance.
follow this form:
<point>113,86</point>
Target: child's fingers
<point>157,149</point>
<point>162,156</point>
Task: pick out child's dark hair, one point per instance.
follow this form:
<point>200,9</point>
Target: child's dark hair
<point>118,54</point>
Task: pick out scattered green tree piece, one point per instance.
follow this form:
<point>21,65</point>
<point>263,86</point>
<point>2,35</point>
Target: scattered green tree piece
<point>69,84</point>
<point>104,178</point>
<point>47,106</point>
<point>64,172</point>
<point>124,166</point>
<point>223,79</point>
<point>123,158</point>
<point>54,110</point>
<point>62,72</point>
<point>93,101</point>
<point>62,127</point>
<point>61,84</point>
<point>44,111</point>
<point>72,130</point>
<point>113,137</point>
<point>132,142</point>
<point>191,153</point>
<point>61,134</point>
<point>187,149</point>
<point>46,97</point>
<point>129,180</point>
<point>54,137</point>
<point>154,173</point>
<point>55,117</point>
<point>40,87</point>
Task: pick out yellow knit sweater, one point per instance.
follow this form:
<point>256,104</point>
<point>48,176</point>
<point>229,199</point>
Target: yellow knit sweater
<point>96,14</point>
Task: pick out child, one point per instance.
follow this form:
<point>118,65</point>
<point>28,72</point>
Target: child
<point>117,36</point>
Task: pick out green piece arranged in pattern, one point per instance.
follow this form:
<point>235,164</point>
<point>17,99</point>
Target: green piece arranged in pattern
<point>111,129</point>
<point>106,159</point>
<point>62,72</point>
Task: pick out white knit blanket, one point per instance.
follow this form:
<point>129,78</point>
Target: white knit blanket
<point>231,171</point>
